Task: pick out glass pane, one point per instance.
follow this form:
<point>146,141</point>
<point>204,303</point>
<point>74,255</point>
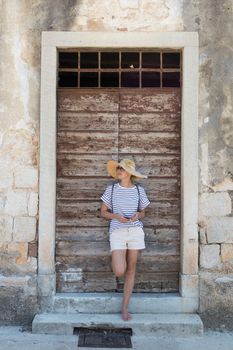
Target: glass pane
<point>130,60</point>
<point>150,60</point>
<point>88,79</point>
<point>110,79</point>
<point>68,60</point>
<point>67,79</point>
<point>109,60</point>
<point>171,79</point>
<point>130,79</point>
<point>89,60</point>
<point>150,79</point>
<point>171,60</point>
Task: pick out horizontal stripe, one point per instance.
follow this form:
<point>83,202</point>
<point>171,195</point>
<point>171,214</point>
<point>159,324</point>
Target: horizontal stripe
<point>125,203</point>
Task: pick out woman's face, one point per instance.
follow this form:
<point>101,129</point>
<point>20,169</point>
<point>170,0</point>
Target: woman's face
<point>122,173</point>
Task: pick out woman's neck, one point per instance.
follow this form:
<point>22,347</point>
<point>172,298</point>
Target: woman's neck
<point>126,183</point>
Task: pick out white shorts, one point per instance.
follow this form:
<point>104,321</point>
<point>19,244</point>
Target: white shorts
<point>127,238</point>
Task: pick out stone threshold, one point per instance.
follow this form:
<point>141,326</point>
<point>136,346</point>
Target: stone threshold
<point>184,324</point>
<point>104,303</point>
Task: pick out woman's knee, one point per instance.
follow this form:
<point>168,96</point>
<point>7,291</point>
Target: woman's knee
<point>119,271</point>
<point>131,269</point>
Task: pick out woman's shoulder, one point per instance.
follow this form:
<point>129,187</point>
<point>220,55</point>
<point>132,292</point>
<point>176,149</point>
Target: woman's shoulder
<point>139,185</point>
<point>140,188</point>
<point>110,185</point>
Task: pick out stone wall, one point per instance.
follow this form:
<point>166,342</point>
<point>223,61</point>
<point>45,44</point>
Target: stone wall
<point>213,21</point>
<point>21,24</point>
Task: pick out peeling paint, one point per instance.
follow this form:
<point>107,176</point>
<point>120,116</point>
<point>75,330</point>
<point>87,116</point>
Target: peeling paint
<point>225,185</point>
<point>204,164</point>
<point>23,75</point>
<point>226,120</point>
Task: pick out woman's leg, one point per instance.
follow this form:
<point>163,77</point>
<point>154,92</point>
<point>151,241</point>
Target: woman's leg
<point>119,262</point>
<point>132,256</point>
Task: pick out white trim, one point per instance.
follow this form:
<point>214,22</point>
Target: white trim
<point>186,41</point>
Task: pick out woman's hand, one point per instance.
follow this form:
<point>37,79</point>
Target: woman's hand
<point>138,215</point>
<point>121,218</point>
<point>135,217</point>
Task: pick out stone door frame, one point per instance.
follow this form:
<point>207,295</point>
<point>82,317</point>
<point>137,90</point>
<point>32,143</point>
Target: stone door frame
<point>188,43</point>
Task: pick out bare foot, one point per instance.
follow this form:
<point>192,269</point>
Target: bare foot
<point>125,315</point>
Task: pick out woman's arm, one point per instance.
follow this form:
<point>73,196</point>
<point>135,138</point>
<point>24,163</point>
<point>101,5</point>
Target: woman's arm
<point>138,215</point>
<point>107,215</point>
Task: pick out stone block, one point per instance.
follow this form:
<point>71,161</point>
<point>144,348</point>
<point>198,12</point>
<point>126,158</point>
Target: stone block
<point>220,230</point>
<point>6,228</point>
<point>33,249</point>
<point>33,204</point>
<point>18,299</point>
<point>6,178</point>
<point>129,4</point>
<point>26,177</point>
<point>202,235</point>
<point>216,292</point>
<point>18,248</point>
<point>189,285</point>
<point>2,202</point>
<point>226,252</point>
<point>26,265</point>
<point>24,229</point>
<point>215,204</point>
<point>46,285</point>
<point>16,203</point>
<point>27,283</point>
<point>209,256</point>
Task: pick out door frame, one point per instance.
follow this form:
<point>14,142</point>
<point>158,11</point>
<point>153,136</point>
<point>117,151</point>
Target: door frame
<point>188,43</point>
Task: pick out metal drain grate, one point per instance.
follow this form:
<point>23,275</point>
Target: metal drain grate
<point>104,337</point>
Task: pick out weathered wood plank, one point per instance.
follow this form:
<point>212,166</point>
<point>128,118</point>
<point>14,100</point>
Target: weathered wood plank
<point>77,101</point>
<point>83,165</point>
<point>86,165</point>
<point>159,102</point>
<point>168,122</point>
<point>153,282</point>
<point>91,189</point>
<point>88,213</point>
<point>80,234</point>
<point>82,142</point>
<point>157,263</point>
<point>86,121</point>
<point>84,263</point>
<point>73,248</point>
<point>149,142</point>
<point>67,248</point>
<point>76,281</point>
<point>80,282</point>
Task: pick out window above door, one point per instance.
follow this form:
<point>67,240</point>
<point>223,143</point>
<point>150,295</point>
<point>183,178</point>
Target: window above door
<point>119,69</point>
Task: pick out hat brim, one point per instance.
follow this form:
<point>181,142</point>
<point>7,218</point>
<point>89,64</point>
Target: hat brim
<point>113,164</point>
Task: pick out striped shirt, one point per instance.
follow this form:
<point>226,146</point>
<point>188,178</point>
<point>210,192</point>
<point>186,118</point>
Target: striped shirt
<point>125,203</point>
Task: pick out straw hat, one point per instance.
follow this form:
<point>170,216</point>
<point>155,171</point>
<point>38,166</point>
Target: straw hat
<point>127,164</point>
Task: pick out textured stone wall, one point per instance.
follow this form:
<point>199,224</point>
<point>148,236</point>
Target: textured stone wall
<point>21,24</point>
<point>213,21</point>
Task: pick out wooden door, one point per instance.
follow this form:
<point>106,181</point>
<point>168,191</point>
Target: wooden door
<point>93,127</point>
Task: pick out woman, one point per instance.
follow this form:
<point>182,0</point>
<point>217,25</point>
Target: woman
<point>127,203</point>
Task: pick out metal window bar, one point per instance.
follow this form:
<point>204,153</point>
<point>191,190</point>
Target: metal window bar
<point>161,70</point>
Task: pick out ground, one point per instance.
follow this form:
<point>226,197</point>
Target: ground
<point>216,321</point>
<point>12,338</point>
